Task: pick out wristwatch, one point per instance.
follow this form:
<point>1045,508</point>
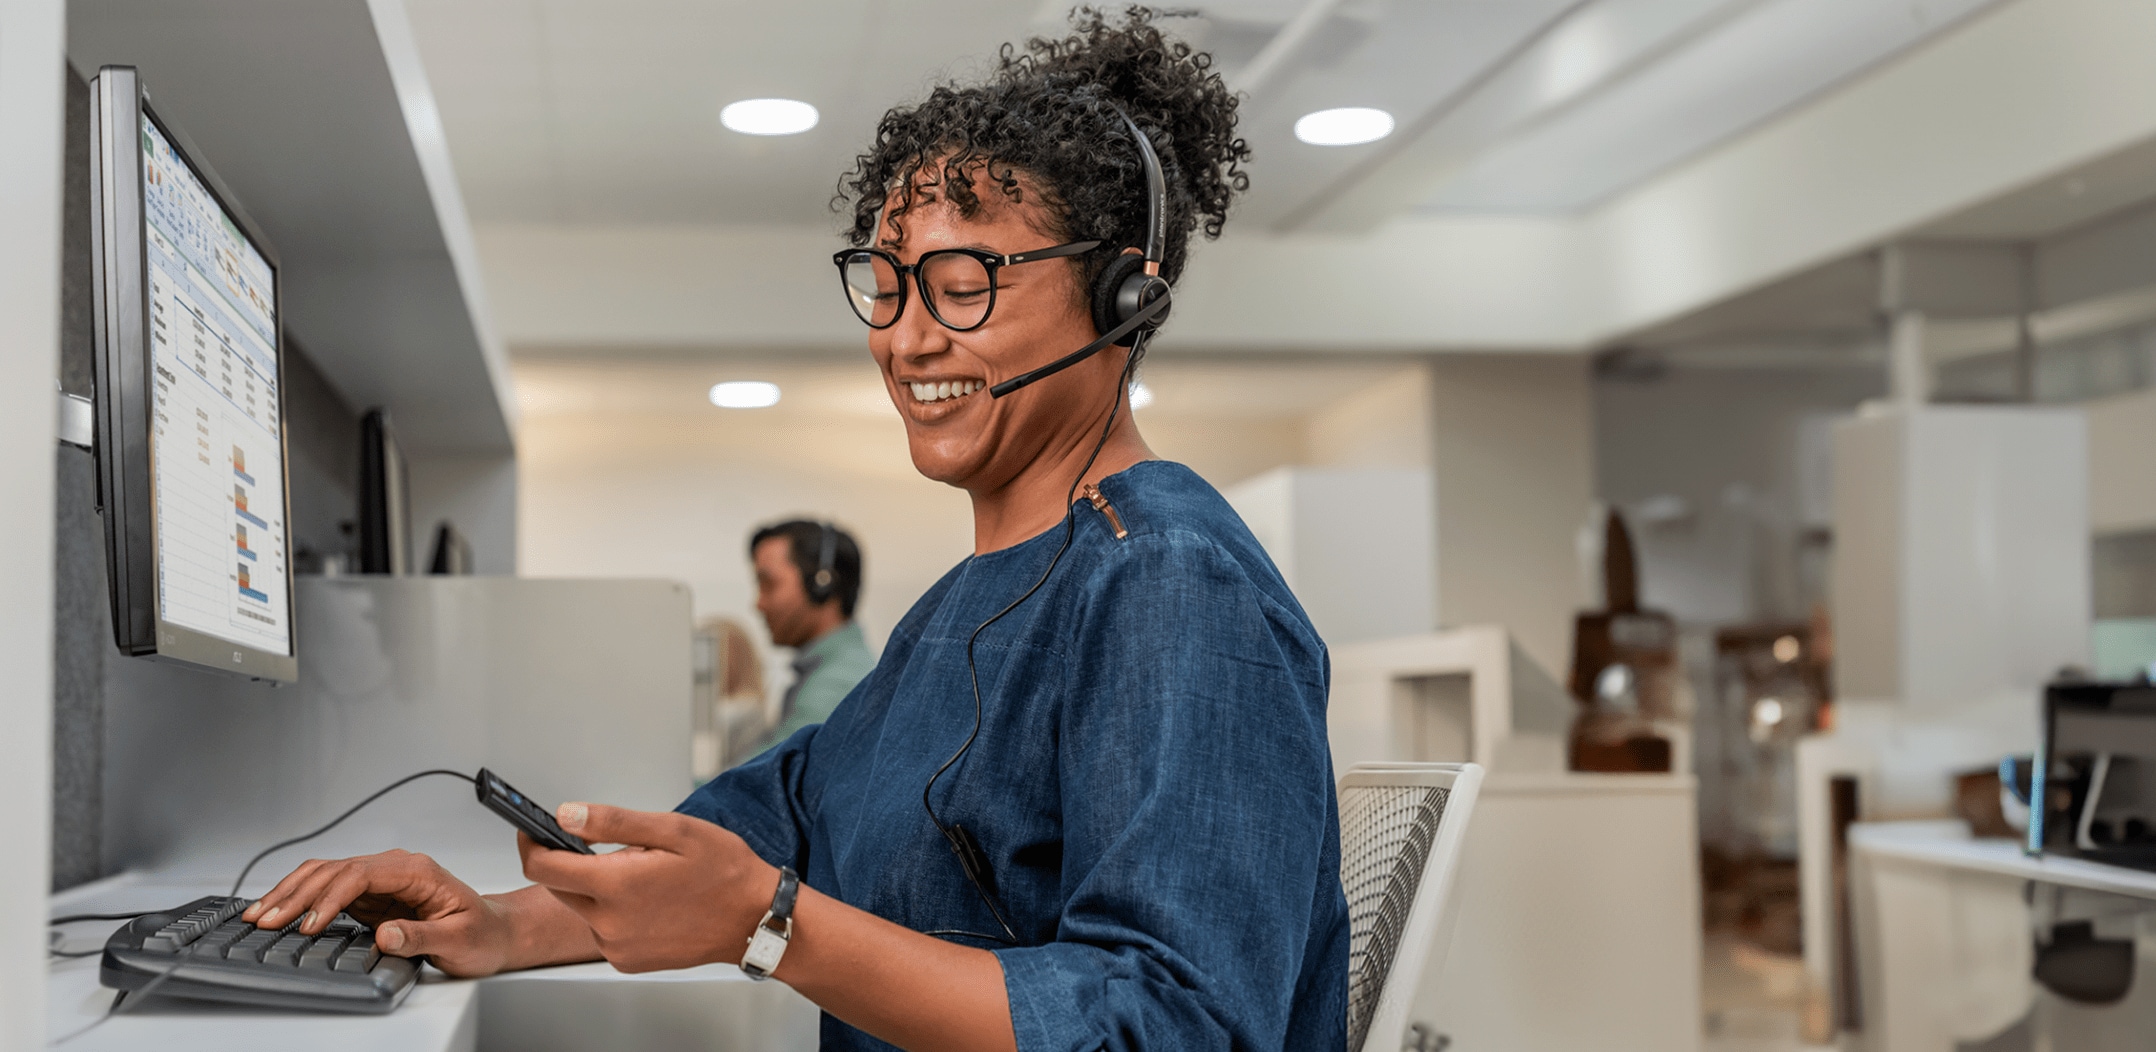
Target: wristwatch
<point>768,944</point>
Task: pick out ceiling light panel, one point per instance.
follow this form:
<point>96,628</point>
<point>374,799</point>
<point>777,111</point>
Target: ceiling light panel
<point>1738,73</point>
<point>745,394</point>
<point>768,116</point>
<point>1346,126</point>
<point>1404,58</point>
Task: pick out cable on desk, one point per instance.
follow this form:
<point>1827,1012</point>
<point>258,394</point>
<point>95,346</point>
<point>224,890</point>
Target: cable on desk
<point>74,917</point>
<point>189,953</point>
<point>332,824</point>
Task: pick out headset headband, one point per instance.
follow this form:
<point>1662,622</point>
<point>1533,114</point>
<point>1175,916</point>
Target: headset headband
<point>1156,238</point>
<point>1156,196</point>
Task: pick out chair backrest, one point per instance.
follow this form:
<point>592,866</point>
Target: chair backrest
<point>1401,826</point>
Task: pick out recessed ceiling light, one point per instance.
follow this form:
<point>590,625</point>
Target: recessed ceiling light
<point>1346,126</point>
<point>744,394</point>
<point>768,116</point>
<point>1140,395</point>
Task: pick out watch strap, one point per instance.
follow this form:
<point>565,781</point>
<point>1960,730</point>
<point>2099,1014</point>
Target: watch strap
<point>782,900</point>
<point>767,944</point>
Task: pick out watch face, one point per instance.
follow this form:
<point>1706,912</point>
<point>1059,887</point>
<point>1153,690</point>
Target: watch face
<point>765,949</point>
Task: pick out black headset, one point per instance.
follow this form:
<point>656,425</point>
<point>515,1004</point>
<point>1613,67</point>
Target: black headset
<point>1129,300</point>
<point>821,584</point>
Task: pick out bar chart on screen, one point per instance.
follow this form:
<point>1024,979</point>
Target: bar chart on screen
<point>213,333</point>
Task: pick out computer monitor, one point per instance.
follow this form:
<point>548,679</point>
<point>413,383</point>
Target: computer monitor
<point>190,401</point>
<point>385,498</point>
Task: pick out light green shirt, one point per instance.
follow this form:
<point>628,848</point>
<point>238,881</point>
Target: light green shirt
<point>825,671</point>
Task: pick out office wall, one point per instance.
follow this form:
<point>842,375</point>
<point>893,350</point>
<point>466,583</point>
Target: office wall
<point>476,493</point>
<point>79,617</point>
<point>1511,441</point>
<point>625,470</point>
<point>1743,452</point>
<point>1385,425</point>
<point>32,38</point>
<point>637,489</point>
<point>2122,439</point>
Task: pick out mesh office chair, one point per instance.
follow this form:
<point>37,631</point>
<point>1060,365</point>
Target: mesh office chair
<point>1401,826</point>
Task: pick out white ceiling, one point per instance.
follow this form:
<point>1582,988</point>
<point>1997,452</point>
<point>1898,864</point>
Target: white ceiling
<point>561,111</point>
<point>2059,204</point>
<point>1826,309</point>
<point>1653,82</point>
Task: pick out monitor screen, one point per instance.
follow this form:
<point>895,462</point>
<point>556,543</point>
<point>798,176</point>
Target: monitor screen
<point>216,452</point>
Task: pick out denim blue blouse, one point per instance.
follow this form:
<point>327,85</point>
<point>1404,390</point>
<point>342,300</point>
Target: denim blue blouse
<point>1151,784</point>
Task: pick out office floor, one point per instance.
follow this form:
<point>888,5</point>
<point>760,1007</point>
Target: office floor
<point>1753,999</point>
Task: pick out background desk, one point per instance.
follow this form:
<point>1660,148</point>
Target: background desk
<point>1579,918</point>
<point>1945,943</point>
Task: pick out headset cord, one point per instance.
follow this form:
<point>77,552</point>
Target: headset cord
<point>970,856</point>
<point>120,1001</point>
<point>334,822</point>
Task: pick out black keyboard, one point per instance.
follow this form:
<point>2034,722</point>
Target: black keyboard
<point>222,958</point>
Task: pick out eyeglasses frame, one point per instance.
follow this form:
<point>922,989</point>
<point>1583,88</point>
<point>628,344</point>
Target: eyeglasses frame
<point>989,261</point>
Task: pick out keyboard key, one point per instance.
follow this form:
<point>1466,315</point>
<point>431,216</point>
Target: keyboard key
<point>251,945</point>
<point>219,939</point>
<point>359,957</point>
<point>322,953</point>
<point>166,940</point>
<point>286,951</point>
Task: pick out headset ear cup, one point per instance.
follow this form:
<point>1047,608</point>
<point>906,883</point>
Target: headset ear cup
<point>1108,294</point>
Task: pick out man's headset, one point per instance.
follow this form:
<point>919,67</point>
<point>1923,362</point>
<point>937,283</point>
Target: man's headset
<point>1130,298</point>
<point>822,583</point>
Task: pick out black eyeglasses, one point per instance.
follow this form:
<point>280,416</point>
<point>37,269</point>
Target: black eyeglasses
<point>958,284</point>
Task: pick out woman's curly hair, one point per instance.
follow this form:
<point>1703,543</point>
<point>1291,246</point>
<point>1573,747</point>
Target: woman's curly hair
<point>1049,114</point>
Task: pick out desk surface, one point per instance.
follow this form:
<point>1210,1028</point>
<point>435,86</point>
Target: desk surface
<point>441,1015</point>
<point>1948,844</point>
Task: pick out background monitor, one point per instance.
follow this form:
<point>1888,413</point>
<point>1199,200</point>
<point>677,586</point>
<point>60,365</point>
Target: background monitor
<point>190,401</point>
<point>385,498</point>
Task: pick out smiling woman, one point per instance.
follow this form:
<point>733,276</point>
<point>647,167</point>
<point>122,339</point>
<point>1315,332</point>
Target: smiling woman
<point>1128,838</point>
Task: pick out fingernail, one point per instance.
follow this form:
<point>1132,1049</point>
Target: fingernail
<point>269,918</point>
<point>308,920</point>
<point>571,816</point>
<point>389,937</point>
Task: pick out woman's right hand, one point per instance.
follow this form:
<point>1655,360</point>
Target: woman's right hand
<point>417,909</point>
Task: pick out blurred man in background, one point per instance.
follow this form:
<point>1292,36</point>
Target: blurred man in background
<point>808,577</point>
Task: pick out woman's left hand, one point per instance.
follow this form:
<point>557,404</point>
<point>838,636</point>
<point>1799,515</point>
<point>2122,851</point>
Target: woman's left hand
<point>682,891</point>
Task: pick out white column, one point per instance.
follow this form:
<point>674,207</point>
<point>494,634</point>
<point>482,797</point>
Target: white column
<point>33,37</point>
<point>1908,373</point>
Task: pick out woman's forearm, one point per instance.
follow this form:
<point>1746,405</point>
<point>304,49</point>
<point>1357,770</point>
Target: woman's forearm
<point>912,990</point>
<point>541,930</point>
